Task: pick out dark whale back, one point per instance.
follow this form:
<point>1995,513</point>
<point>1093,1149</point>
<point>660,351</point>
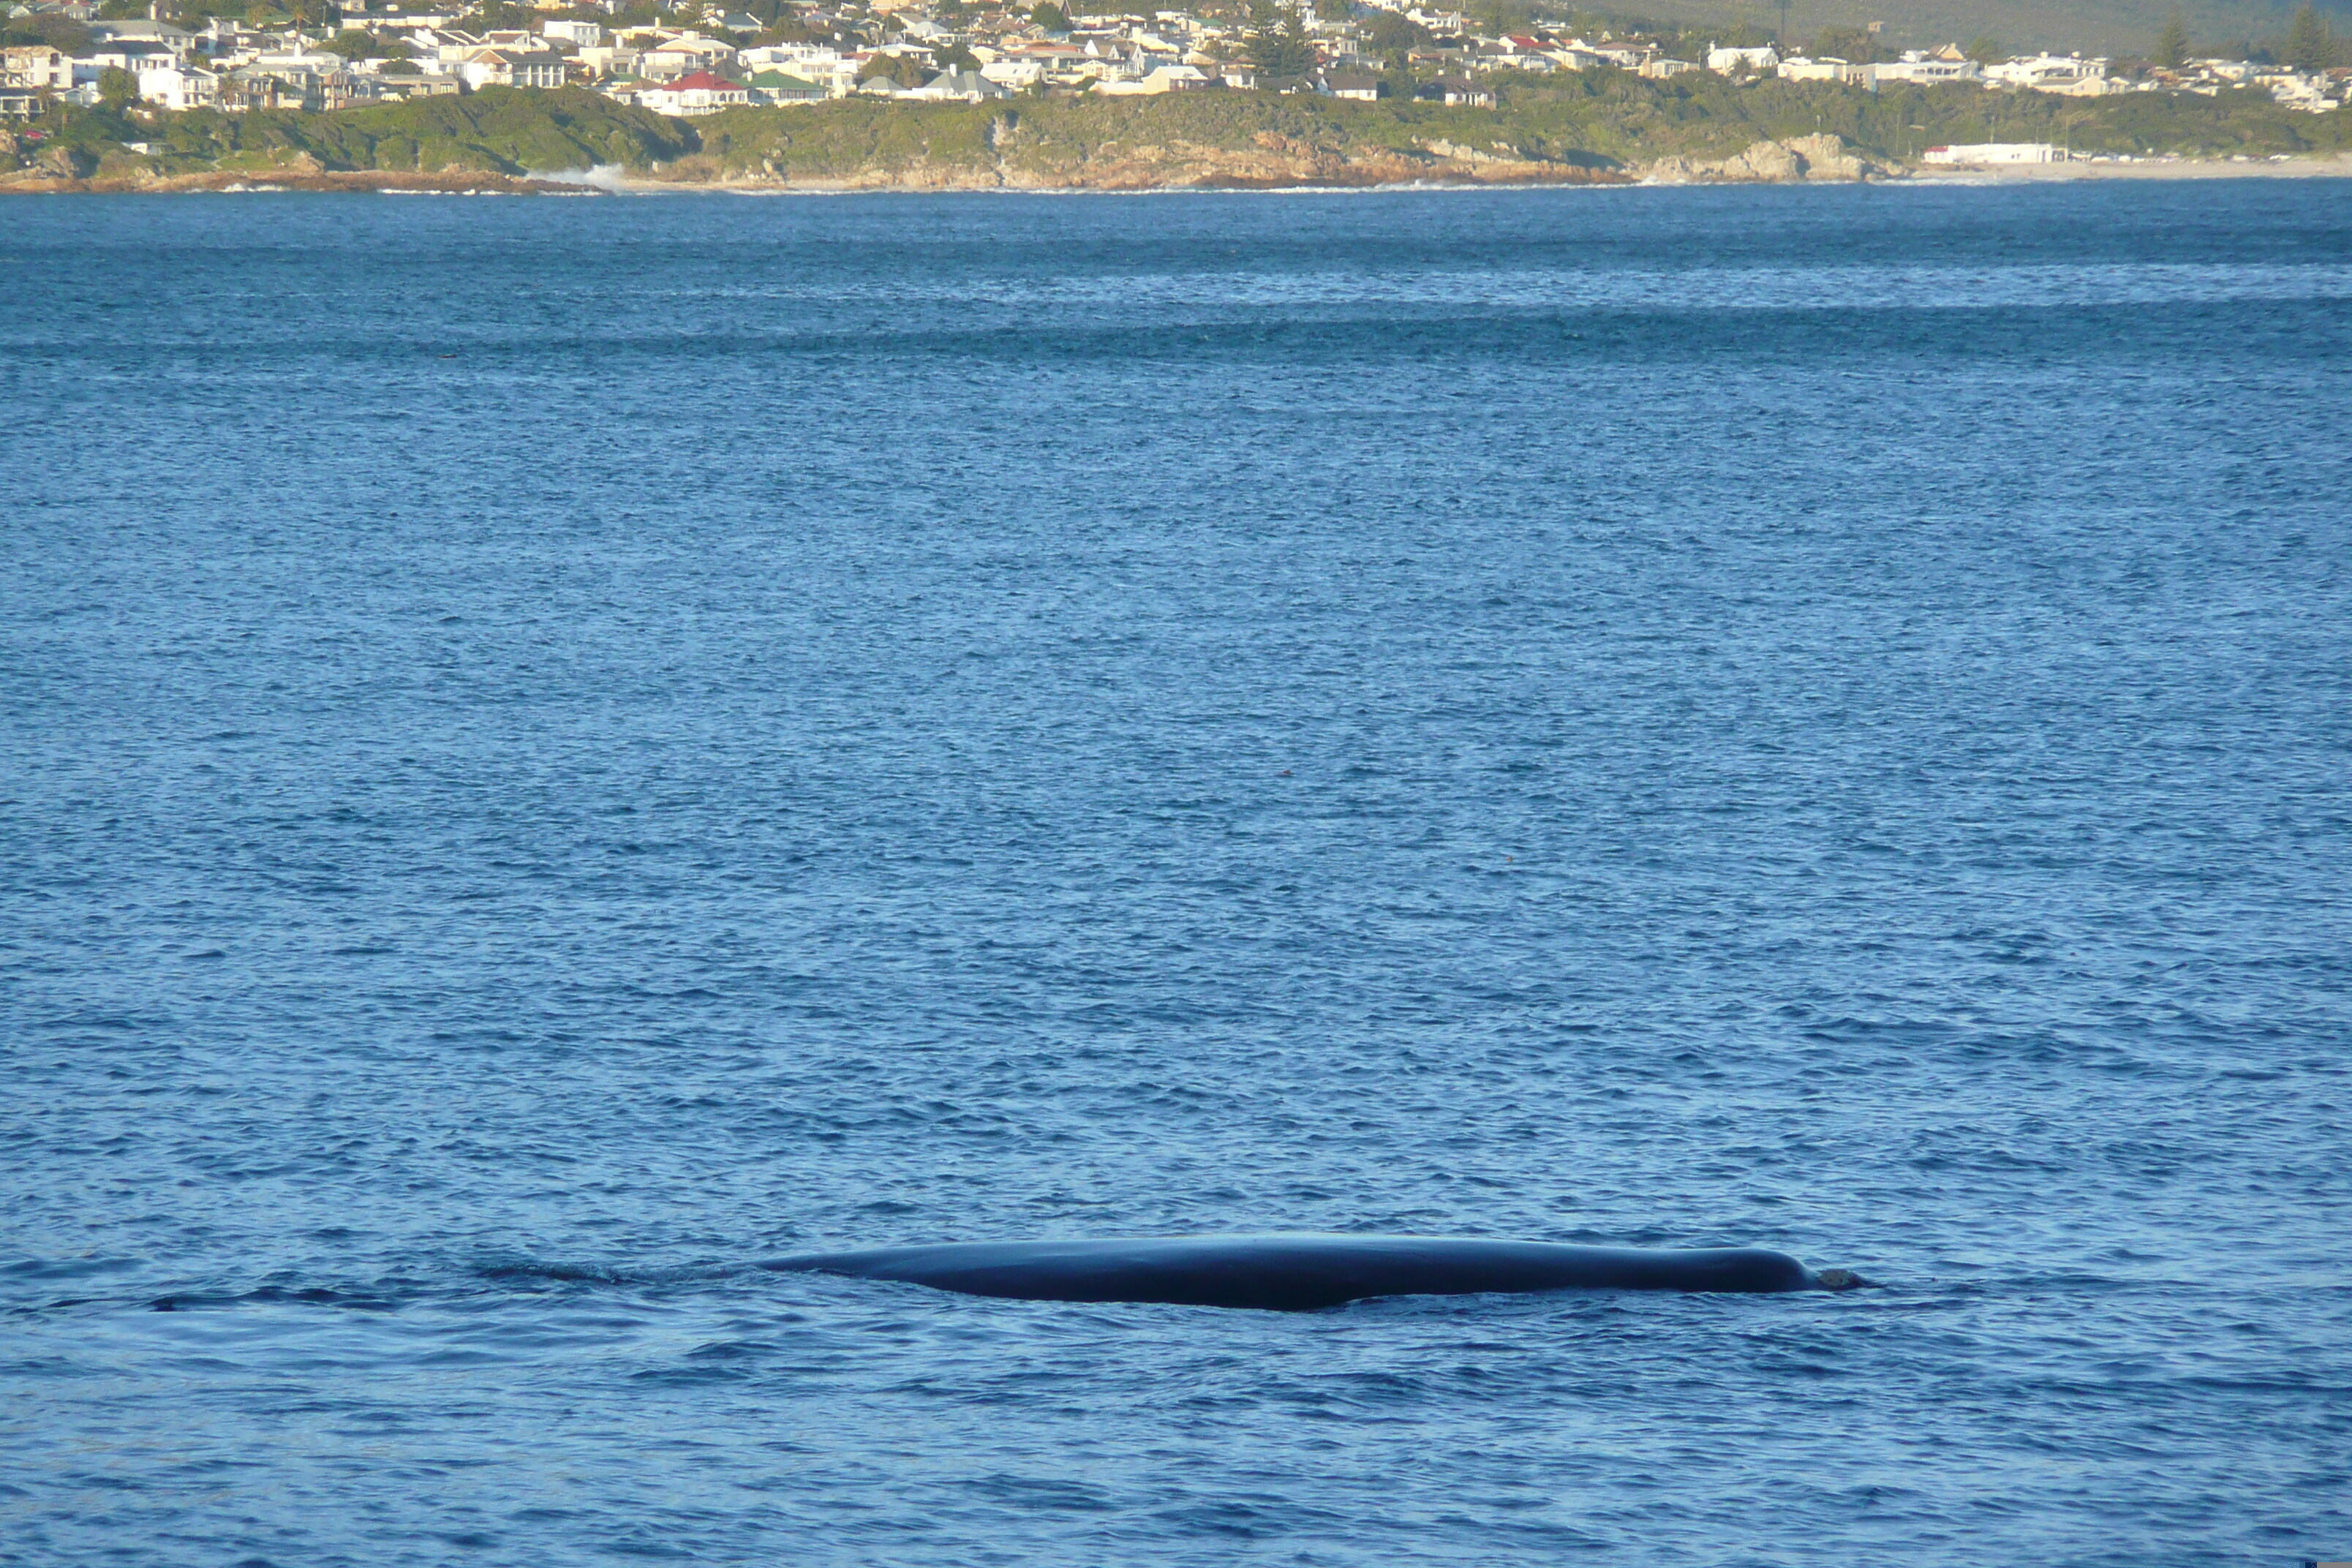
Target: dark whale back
<point>1301,1273</point>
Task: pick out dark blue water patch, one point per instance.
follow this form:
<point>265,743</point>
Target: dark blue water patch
<point>1809,718</point>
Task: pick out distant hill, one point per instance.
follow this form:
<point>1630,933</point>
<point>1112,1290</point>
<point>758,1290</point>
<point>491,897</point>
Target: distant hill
<point>2119,27</point>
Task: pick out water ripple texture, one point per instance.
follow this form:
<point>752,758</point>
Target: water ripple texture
<point>551,751</point>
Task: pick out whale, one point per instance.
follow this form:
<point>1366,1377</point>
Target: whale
<point>1311,1272</point>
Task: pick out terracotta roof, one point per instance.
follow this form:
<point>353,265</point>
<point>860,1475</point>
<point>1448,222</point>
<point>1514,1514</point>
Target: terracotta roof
<point>702,82</point>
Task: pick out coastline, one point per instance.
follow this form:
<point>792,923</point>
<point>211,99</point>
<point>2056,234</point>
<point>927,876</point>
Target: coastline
<point>1375,176</point>
<point>573,141</point>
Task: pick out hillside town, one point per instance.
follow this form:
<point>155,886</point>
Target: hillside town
<point>709,59</point>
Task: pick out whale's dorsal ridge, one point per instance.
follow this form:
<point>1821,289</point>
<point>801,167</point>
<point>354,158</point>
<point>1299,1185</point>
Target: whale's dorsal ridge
<point>1303,1270</point>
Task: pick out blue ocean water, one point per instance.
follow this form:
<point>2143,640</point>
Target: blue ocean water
<point>551,749</point>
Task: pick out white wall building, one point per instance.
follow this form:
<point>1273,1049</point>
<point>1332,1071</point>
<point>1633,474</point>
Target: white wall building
<point>178,88</point>
<point>1725,62</point>
<point>1161,79</point>
<point>685,56</point>
<point>2069,74</point>
<point>1985,154</point>
<point>36,69</point>
<point>1926,70</point>
<point>1828,69</point>
<point>1013,72</point>
<point>699,93</point>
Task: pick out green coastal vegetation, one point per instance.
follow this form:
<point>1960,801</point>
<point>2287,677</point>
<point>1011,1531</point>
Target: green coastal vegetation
<point>1602,120</point>
<point>500,130</point>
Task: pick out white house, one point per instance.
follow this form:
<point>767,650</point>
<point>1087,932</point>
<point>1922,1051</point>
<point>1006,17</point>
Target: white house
<point>179,40</point>
<point>1983,153</point>
<point>486,67</point>
<point>2297,89</point>
<point>1015,72</point>
<point>685,55</point>
<point>608,59</point>
<point>1947,64</point>
<point>1729,62</point>
<point>971,87</point>
<point>819,63</point>
<point>132,55</point>
<point>1162,79</point>
<point>35,69</point>
<point>781,87</point>
<point>512,67</point>
<point>699,93</point>
<point>1617,52</point>
<point>1827,68</point>
<point>179,88</point>
<point>539,67</point>
<point>2069,74</point>
<point>300,61</point>
<point>579,35</point>
<point>1456,90</point>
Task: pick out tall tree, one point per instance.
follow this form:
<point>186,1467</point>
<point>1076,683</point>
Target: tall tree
<point>1850,44</point>
<point>2172,44</point>
<point>2308,45</point>
<point>1278,40</point>
<point>1392,34</point>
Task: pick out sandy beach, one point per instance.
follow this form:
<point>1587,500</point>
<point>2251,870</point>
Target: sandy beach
<point>2336,166</point>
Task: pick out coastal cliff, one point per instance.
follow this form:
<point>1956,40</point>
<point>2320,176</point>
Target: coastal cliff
<point>1604,127</point>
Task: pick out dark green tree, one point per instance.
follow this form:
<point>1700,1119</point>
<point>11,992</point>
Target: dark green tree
<point>359,44</point>
<point>58,32</point>
<point>904,69</point>
<point>1391,33</point>
<point>1278,40</point>
<point>2172,44</point>
<point>1986,51</point>
<point>2308,45</point>
<point>1498,18</point>
<point>1331,10</point>
<point>1051,17</point>
<point>117,89</point>
<point>1849,44</point>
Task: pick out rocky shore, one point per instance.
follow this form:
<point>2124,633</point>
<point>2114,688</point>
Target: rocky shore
<point>1008,160</point>
<point>1275,162</point>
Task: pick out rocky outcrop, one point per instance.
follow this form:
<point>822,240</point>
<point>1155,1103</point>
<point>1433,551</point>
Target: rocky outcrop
<point>1270,160</point>
<point>1832,157</point>
<point>1169,151</point>
<point>67,163</point>
<point>1821,157</point>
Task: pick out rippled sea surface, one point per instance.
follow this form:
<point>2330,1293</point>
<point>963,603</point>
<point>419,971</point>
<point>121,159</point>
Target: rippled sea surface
<point>552,750</point>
